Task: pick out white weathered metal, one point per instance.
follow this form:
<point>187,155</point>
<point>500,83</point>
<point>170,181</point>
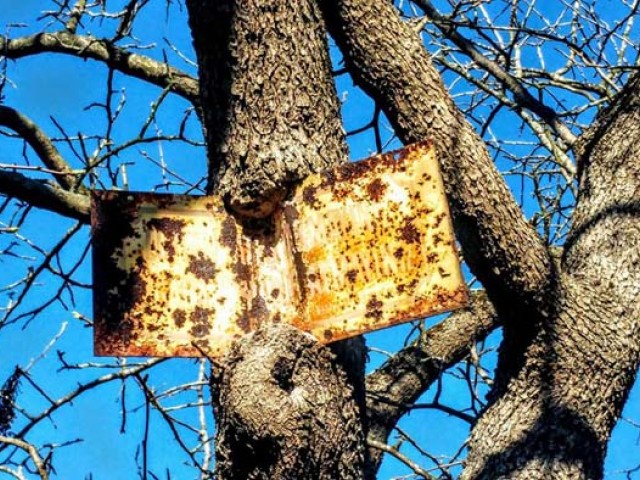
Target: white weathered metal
<point>360,247</point>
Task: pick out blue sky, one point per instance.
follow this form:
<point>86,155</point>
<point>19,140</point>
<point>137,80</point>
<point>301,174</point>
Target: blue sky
<point>60,88</point>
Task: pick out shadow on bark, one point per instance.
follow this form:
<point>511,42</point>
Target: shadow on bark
<point>550,439</point>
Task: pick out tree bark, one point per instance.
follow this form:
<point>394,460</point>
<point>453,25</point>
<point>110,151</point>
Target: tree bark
<point>570,350</point>
<point>284,411</point>
<point>561,406</point>
<point>286,407</point>
<point>271,113</point>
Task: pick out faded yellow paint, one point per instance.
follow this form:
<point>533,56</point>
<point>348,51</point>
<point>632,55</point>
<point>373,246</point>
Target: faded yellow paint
<point>361,247</point>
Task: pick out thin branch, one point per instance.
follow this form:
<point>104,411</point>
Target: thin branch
<point>138,66</point>
<point>32,451</point>
<point>41,144</point>
<point>521,96</point>
<point>75,16</point>
<point>417,469</point>
<point>85,387</point>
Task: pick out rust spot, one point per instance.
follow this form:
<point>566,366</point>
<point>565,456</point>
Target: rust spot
<point>244,322</point>
<point>202,267</point>
<point>376,189</point>
<point>443,273</point>
<point>374,308</point>
<point>170,227</point>
<point>432,257</point>
<point>200,320</point>
<point>352,275</point>
<point>309,195</point>
<point>398,253</point>
<point>242,271</point>
<point>228,234</point>
<point>275,293</point>
<point>409,233</point>
<point>347,172</point>
<point>179,317</point>
<point>259,309</point>
<point>328,335</point>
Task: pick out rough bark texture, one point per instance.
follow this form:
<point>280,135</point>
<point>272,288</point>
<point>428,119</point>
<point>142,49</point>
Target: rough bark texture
<point>570,350</point>
<point>287,408</point>
<point>285,412</point>
<point>271,113</point>
<point>554,418</point>
<point>399,382</point>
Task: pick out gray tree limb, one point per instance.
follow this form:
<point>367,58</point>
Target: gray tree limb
<point>87,47</point>
<point>45,195</point>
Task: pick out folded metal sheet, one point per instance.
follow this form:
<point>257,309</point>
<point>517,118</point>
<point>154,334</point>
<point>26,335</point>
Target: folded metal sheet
<point>361,247</point>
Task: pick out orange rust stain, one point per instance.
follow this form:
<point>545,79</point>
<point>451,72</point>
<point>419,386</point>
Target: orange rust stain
<point>360,247</point>
<point>315,255</point>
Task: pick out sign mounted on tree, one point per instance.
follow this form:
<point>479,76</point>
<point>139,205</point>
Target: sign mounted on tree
<point>363,246</point>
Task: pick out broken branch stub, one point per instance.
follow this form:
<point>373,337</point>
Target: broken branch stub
<point>360,247</point>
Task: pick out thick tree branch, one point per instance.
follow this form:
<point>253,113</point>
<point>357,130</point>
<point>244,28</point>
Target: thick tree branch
<point>46,195</point>
<point>138,66</point>
<point>561,429</point>
<point>521,96</point>
<point>41,144</point>
<point>402,379</point>
<point>282,398</point>
<point>388,60</point>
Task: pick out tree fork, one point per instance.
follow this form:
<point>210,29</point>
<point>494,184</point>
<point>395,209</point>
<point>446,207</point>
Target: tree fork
<point>571,349</point>
<point>579,368</point>
<point>285,406</point>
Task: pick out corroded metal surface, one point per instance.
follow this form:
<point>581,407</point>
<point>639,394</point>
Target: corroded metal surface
<point>361,247</point>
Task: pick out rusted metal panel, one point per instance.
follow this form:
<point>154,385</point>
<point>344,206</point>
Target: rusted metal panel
<point>361,247</point>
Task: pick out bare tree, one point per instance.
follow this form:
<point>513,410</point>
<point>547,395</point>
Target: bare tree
<point>517,96</point>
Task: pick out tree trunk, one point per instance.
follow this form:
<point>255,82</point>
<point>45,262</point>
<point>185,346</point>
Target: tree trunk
<point>271,114</point>
<point>571,344</point>
<point>285,407</point>
<point>554,417</point>
<point>285,411</point>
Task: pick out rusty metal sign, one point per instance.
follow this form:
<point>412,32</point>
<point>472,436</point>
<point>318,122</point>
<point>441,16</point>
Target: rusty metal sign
<point>363,246</point>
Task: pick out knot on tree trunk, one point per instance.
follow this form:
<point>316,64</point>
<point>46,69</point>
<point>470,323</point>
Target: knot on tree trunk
<point>283,401</point>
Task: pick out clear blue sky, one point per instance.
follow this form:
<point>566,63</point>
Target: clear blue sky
<point>61,87</point>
